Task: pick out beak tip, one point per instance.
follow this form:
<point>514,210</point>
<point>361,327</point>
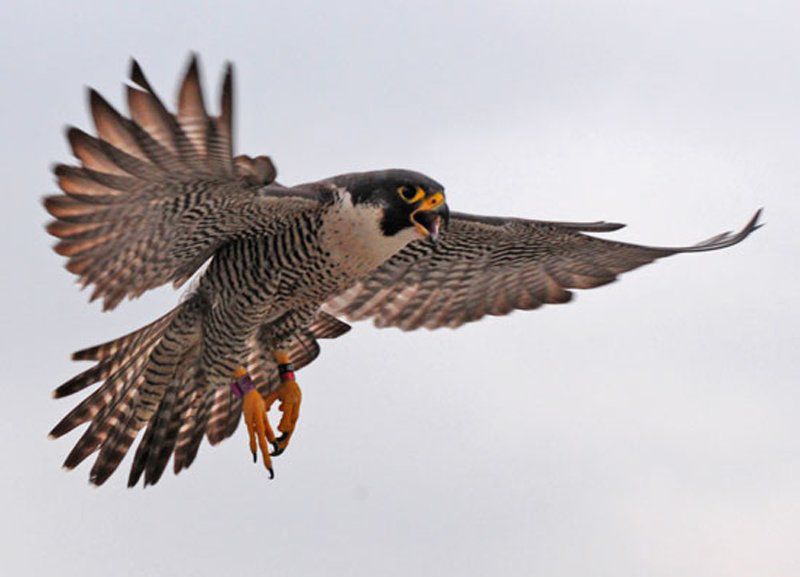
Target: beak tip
<point>431,222</point>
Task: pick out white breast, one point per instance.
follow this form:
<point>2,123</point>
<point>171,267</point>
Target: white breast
<point>353,237</point>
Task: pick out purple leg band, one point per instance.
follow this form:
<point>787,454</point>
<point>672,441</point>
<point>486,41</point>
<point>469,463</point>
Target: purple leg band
<point>241,386</point>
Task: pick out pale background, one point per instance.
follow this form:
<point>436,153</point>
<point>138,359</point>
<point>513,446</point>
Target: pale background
<point>650,428</point>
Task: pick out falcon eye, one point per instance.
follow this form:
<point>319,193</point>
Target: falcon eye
<point>410,195</point>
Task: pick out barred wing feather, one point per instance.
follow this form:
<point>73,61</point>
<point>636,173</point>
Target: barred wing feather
<point>492,266</point>
<point>155,194</point>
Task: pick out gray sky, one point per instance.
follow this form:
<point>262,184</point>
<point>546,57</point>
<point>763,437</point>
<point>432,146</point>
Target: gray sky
<point>649,428</point>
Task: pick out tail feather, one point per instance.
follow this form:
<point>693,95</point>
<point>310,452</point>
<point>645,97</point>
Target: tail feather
<point>140,458</point>
<point>112,347</point>
<point>160,439</point>
<point>175,356</point>
<point>195,438</point>
<point>139,347</point>
<point>153,380</point>
<point>156,446</point>
<point>222,405</point>
<point>327,326</point>
<point>109,416</point>
<point>161,454</point>
<point>189,417</point>
<point>97,406</point>
<point>114,408</point>
<point>99,372</point>
<point>116,445</point>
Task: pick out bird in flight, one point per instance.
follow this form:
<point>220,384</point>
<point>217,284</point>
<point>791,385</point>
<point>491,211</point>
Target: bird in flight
<point>156,196</point>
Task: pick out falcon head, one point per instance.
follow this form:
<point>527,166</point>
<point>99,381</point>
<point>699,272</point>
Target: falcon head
<point>407,199</point>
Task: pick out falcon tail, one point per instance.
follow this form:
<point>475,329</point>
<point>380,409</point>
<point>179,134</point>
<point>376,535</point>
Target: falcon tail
<point>148,378</point>
<point>153,377</point>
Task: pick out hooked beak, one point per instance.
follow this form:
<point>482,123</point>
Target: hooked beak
<point>432,216</point>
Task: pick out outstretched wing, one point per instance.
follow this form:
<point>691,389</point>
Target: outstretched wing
<point>491,266</point>
<point>156,194</point>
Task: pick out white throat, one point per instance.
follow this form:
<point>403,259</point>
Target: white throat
<point>352,235</point>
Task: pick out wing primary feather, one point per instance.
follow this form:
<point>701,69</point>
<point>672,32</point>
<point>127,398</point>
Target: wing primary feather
<point>192,115</point>
<point>155,194</point>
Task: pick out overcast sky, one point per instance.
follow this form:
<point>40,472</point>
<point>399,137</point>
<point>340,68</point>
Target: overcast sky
<point>648,429</point>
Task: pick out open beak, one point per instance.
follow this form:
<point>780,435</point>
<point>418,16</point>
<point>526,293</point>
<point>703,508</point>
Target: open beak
<point>432,216</point>
<point>430,223</point>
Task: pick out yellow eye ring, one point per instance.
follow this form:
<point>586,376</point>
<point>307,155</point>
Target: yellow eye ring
<point>411,196</point>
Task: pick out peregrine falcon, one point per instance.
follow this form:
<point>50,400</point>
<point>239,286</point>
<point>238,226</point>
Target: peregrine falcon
<point>159,197</point>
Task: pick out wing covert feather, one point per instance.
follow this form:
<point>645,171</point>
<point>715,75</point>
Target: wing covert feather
<point>492,266</point>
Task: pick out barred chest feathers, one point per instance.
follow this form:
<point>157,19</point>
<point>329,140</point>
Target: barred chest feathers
<point>352,235</point>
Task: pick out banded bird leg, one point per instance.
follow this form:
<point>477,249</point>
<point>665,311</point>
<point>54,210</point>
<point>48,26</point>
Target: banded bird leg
<point>289,396</point>
<point>254,409</point>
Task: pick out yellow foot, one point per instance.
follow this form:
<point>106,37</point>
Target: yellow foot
<point>289,396</point>
<point>254,409</point>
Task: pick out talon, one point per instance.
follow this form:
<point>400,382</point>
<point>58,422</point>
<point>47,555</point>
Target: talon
<point>289,396</point>
<point>280,444</point>
<point>254,410</point>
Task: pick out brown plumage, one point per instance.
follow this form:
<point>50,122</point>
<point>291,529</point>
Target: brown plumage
<point>492,266</point>
<point>141,209</point>
<point>155,195</point>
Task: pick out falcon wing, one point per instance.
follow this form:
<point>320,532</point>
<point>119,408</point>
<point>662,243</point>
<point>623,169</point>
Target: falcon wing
<point>491,266</point>
<point>157,193</point>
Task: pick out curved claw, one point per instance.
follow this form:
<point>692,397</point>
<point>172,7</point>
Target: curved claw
<point>289,396</point>
<point>280,444</point>
<point>254,409</point>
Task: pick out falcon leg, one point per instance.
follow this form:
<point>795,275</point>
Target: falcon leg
<point>254,409</point>
<point>289,396</point>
